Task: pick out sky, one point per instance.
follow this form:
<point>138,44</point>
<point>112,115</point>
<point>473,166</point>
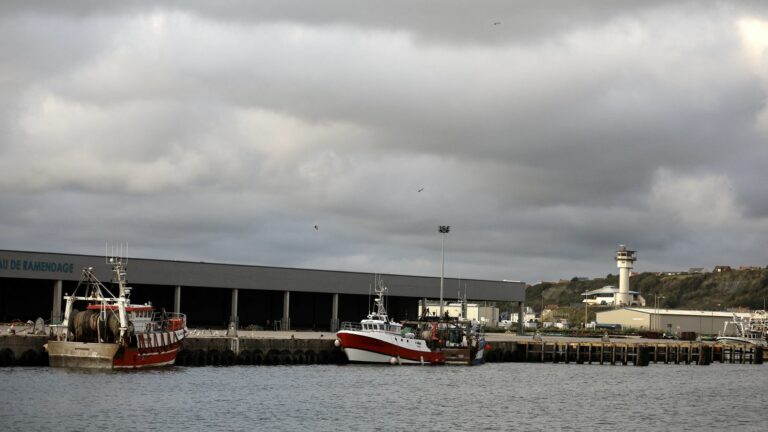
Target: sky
<point>339,135</point>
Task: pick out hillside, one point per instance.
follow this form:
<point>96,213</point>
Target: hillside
<point>708,291</point>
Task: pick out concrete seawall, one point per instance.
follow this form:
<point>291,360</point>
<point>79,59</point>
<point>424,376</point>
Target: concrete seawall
<point>23,350</point>
<point>215,348</point>
<point>227,351</point>
<point>205,347</point>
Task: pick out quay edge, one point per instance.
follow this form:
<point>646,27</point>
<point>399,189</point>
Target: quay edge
<point>283,348</point>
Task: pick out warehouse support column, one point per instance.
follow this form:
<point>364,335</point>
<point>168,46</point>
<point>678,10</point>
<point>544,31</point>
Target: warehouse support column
<point>57,296</point>
<point>232,329</point>
<point>423,302</point>
<point>521,319</point>
<point>177,299</point>
<point>335,313</point>
<point>285,322</point>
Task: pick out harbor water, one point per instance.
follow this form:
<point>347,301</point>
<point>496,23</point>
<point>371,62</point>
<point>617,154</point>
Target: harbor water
<point>502,396</point>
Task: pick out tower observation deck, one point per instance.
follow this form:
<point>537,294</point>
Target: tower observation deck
<point>624,260</point>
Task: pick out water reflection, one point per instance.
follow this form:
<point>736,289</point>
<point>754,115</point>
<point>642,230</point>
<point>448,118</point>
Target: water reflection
<point>507,396</point>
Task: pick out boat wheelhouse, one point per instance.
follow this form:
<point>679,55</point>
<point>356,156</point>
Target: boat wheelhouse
<point>752,330</point>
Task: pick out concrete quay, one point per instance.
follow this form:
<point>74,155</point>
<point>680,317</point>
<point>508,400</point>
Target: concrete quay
<point>217,348</point>
<point>200,348</point>
<point>23,350</point>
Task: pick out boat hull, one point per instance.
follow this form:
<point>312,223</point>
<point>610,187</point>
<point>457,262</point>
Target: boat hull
<point>133,358</point>
<point>742,340</point>
<point>374,347</point>
<point>152,353</point>
<point>81,354</point>
<point>355,355</point>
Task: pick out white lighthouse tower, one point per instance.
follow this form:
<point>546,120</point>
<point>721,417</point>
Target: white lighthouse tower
<point>624,260</point>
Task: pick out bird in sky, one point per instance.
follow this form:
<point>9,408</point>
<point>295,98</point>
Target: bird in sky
<point>420,190</point>
<point>497,23</point>
<point>316,227</point>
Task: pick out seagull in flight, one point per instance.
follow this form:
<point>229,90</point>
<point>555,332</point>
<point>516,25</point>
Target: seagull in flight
<point>497,23</point>
<point>316,227</point>
<point>420,190</point>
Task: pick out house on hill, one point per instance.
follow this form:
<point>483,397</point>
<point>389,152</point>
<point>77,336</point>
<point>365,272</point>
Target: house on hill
<point>606,296</point>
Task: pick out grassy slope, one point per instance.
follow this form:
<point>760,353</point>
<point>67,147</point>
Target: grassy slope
<point>710,291</point>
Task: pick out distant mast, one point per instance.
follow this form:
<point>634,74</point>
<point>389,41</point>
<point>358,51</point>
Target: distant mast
<point>624,260</point>
<point>118,259</point>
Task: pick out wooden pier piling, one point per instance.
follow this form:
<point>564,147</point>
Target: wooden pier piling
<point>637,354</point>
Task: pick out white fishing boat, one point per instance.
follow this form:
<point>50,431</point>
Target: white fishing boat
<point>751,330</point>
<point>377,339</point>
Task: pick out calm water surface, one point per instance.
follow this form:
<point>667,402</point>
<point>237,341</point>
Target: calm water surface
<point>507,396</point>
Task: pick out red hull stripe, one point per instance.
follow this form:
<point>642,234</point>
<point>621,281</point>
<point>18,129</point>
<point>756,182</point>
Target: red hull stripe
<point>135,358</point>
<point>351,340</point>
<point>156,340</point>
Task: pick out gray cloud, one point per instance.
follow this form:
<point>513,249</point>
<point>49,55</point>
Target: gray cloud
<point>226,132</point>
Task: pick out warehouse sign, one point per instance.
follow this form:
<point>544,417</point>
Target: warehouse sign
<point>36,266</point>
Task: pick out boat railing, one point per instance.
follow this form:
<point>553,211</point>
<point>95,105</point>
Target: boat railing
<point>354,326</point>
<point>168,321</point>
<point>58,331</point>
<point>376,327</point>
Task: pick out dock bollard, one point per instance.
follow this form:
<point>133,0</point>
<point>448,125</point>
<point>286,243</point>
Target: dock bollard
<point>705,355</point>
<point>643,356</point>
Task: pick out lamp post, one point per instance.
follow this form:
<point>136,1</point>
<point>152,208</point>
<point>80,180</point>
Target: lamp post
<point>656,298</point>
<point>712,321</point>
<point>443,229</point>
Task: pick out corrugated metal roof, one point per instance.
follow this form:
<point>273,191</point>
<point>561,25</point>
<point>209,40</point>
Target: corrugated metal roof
<point>683,312</point>
<point>66,267</point>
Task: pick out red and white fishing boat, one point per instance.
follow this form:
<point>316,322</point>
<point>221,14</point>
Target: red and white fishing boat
<point>111,332</point>
<point>377,339</point>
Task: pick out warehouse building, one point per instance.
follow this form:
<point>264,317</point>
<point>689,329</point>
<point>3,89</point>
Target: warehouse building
<point>32,285</point>
<point>669,321</point>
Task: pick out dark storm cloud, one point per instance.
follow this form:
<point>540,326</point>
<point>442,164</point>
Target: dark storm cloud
<point>225,131</point>
<point>453,21</point>
<point>437,21</point>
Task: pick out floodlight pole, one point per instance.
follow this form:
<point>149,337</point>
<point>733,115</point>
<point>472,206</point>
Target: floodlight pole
<point>443,229</point>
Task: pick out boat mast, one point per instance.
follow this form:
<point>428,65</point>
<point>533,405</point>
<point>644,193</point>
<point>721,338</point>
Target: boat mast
<point>124,290</point>
<point>67,312</point>
<point>122,299</point>
<point>381,310</point>
<point>86,279</point>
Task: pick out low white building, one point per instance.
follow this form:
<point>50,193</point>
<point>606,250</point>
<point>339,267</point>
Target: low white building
<point>530,319</point>
<point>487,315</point>
<point>607,296</point>
<point>670,321</point>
